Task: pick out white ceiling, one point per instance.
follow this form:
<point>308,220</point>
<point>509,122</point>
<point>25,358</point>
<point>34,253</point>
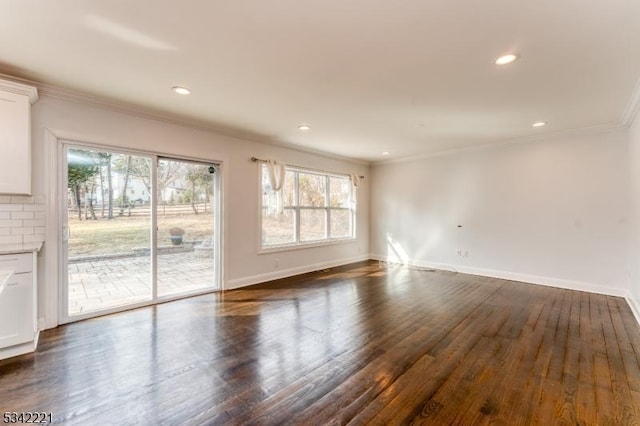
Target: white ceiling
<point>411,77</point>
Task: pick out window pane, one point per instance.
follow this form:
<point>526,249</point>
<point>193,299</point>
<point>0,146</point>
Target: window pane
<point>286,195</point>
<point>340,223</point>
<point>108,253</point>
<point>313,226</point>
<point>289,189</point>
<point>340,192</point>
<point>278,227</point>
<point>278,223</point>
<point>186,220</point>
<point>312,190</point>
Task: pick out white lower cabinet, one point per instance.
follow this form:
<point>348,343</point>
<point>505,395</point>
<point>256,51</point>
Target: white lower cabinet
<point>18,306</point>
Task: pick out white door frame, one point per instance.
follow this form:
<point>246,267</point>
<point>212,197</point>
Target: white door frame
<point>58,201</point>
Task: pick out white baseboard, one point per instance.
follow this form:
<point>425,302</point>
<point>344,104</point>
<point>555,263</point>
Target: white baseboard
<point>633,304</point>
<point>284,273</point>
<point>21,349</point>
<point>506,275</point>
<point>515,276</point>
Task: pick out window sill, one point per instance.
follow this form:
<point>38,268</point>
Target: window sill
<point>290,247</point>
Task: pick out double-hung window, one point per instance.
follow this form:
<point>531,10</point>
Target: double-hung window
<point>312,207</point>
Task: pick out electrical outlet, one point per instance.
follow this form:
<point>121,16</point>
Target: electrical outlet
<point>459,252</point>
<point>466,253</point>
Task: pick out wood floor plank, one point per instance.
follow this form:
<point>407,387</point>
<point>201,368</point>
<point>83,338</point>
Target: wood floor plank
<point>585,392</point>
<point>474,392</point>
<point>632,367</point>
<point>537,385</point>
<point>567,404</point>
<point>359,344</point>
<point>515,389</point>
<point>354,393</point>
<point>457,390</point>
<point>401,402</point>
<point>606,409</point>
<point>625,412</point>
<point>551,391</point>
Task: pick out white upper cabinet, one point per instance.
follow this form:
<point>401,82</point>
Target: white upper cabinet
<point>15,137</point>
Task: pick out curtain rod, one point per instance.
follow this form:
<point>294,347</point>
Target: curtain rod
<point>255,160</point>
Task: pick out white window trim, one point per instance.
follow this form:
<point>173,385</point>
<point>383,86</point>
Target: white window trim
<point>298,245</point>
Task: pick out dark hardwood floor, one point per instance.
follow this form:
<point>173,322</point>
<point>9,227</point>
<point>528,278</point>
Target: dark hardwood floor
<point>359,344</point>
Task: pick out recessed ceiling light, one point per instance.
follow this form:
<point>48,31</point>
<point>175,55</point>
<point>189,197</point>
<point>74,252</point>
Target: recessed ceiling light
<point>539,124</point>
<point>506,59</point>
<point>385,152</point>
<point>181,90</point>
<point>304,127</point>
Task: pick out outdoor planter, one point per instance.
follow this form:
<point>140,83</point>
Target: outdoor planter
<point>176,235</point>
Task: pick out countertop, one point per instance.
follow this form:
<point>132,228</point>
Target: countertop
<point>20,248</point>
<point>5,274</point>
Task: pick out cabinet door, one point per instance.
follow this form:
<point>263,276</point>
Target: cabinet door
<point>19,263</point>
<point>16,311</point>
<point>15,144</point>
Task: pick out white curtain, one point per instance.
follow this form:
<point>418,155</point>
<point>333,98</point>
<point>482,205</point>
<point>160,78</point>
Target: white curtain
<point>355,179</point>
<point>276,173</point>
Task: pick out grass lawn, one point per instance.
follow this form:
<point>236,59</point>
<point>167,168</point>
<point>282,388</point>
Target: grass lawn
<point>122,234</point>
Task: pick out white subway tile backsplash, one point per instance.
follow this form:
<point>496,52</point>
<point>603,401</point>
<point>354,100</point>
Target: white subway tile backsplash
<point>21,215</point>
<point>33,207</point>
<point>35,222</point>
<point>21,199</point>
<point>22,219</point>
<point>8,223</point>
<point>38,238</point>
<point>22,231</point>
<point>12,239</point>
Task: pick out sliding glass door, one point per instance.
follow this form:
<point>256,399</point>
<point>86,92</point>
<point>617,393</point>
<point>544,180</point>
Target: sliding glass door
<point>137,229</point>
<point>186,212</point>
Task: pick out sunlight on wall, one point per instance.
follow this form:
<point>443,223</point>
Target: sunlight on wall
<point>426,250</point>
<point>395,252</point>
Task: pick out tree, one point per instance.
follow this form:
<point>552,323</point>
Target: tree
<point>81,167</point>
<point>168,172</point>
<point>105,161</point>
<point>101,192</point>
<point>311,190</point>
<point>200,180</point>
<point>88,197</point>
<point>124,165</point>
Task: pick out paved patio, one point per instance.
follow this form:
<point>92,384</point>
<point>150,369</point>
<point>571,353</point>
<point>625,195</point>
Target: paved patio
<point>107,283</point>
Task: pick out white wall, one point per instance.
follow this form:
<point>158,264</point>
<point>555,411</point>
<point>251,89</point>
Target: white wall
<point>242,264</point>
<point>634,234</point>
<point>551,211</point>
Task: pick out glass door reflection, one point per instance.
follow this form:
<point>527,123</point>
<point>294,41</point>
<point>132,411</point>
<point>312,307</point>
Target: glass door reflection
<point>186,217</point>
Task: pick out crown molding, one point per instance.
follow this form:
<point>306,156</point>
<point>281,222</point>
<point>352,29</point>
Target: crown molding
<point>51,91</point>
<point>632,111</point>
<point>19,89</point>
<point>504,143</point>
